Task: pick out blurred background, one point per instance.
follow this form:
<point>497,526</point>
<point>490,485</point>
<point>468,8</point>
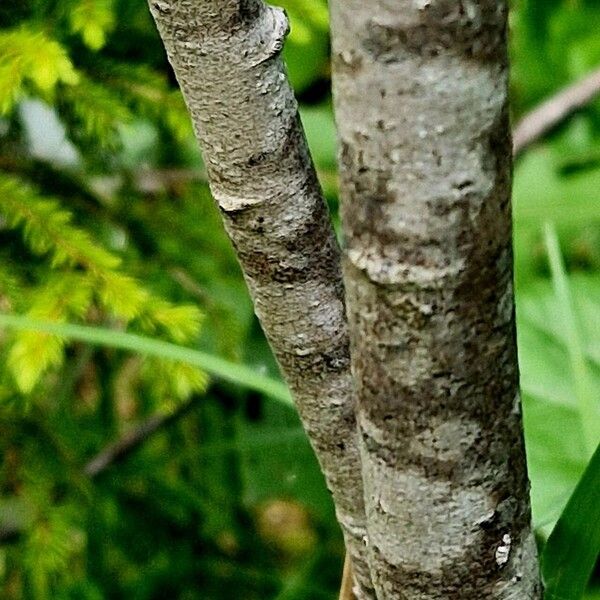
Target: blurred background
<point>148,478</point>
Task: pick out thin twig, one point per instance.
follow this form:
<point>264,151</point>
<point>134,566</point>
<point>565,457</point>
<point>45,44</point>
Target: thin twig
<point>123,447</point>
<point>552,112</point>
<point>158,180</point>
<point>346,592</point>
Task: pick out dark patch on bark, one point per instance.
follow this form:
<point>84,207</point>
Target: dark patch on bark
<point>318,363</point>
<point>348,62</point>
<point>476,466</point>
<point>445,26</point>
<point>263,267</point>
<point>163,8</point>
<point>246,14</point>
<point>308,252</point>
<point>248,10</point>
<point>364,214</point>
<point>256,159</point>
<point>467,348</point>
<point>473,576</point>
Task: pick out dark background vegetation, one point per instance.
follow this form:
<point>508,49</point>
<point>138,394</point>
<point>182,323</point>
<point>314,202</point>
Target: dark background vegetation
<point>106,220</point>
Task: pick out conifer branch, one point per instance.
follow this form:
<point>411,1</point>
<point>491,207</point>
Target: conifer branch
<point>94,276</point>
<point>115,453</point>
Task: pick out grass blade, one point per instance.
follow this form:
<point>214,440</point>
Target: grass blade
<point>101,336</point>
<point>586,397</point>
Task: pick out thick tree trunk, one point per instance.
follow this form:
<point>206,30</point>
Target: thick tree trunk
<point>420,89</point>
<point>226,55</point>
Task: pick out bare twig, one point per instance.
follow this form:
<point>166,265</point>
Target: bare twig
<point>123,447</point>
<point>189,284</point>
<point>146,181</point>
<point>550,113</point>
<point>157,180</point>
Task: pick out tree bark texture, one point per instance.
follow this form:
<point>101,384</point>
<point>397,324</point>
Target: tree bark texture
<point>226,56</point>
<point>420,90</point>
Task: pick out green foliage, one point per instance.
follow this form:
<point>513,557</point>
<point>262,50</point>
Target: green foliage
<point>130,297</point>
<point>47,229</point>
<point>554,42</point>
<point>584,388</point>
<point>93,20</point>
<point>577,533</point>
<point>33,352</point>
<point>172,358</point>
<point>306,52</point>
<point>94,281</point>
<point>31,57</point>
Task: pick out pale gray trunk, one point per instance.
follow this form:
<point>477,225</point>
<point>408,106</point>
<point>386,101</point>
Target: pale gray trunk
<point>226,56</point>
<point>420,90</point>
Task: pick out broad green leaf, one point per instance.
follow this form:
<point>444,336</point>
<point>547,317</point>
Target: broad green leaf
<point>542,193</point>
<point>556,458</point>
<point>574,545</point>
<point>592,594</point>
<point>544,362</point>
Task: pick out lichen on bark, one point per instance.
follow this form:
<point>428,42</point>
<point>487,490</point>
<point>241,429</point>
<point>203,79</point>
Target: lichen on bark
<point>226,56</point>
<point>420,96</point>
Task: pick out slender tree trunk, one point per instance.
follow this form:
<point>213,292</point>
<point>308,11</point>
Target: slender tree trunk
<point>420,89</point>
<point>226,55</point>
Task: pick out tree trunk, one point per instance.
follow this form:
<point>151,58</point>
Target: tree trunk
<point>226,56</point>
<point>420,90</point>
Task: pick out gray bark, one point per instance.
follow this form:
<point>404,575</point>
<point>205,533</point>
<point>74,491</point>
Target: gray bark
<point>226,56</point>
<point>420,90</point>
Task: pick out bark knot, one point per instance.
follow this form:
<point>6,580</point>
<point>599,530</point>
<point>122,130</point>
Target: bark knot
<point>503,550</point>
<point>164,8</point>
<point>275,24</point>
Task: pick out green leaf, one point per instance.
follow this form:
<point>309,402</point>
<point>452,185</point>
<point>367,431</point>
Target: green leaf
<point>48,227</point>
<point>32,353</point>
<point>306,50</point>
<point>556,458</point>
<point>592,594</point>
<point>574,545</point>
<point>238,374</point>
<point>542,193</point>
<point>556,452</point>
